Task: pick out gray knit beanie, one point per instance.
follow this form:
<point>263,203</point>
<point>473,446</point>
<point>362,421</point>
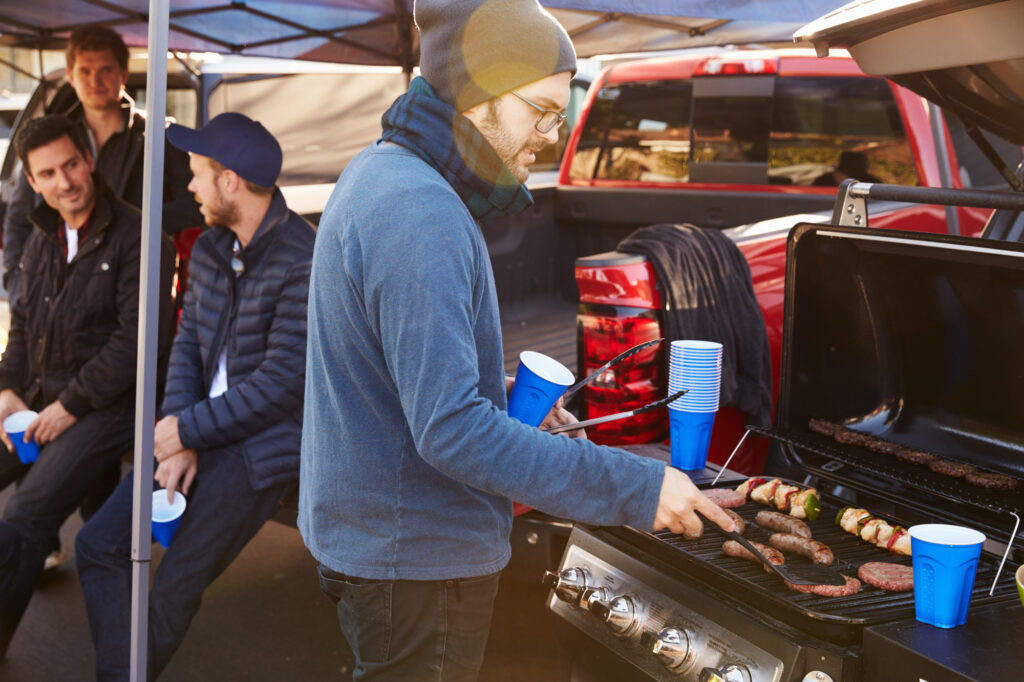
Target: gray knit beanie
<point>474,50</point>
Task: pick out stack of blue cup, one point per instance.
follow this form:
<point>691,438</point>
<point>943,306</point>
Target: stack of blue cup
<point>694,367</point>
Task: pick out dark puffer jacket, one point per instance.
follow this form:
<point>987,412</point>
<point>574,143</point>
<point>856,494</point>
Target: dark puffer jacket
<point>74,330</point>
<point>260,318</point>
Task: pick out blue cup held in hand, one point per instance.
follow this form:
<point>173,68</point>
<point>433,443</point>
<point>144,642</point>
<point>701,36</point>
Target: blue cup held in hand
<point>15,426</point>
<point>945,562</point>
<point>166,515</point>
<point>540,382</point>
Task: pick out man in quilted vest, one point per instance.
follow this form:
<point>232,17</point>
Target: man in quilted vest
<point>231,425</point>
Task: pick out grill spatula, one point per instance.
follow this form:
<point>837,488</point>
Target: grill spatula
<point>798,574</point>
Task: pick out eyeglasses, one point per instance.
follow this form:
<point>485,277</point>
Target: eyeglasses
<point>548,118</point>
<point>237,264</point>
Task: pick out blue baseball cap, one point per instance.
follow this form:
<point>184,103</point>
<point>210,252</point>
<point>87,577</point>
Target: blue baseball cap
<point>235,141</point>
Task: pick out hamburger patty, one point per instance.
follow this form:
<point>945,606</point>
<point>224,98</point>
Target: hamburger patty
<point>913,456</point>
<point>992,481</point>
<point>886,575</point>
<point>949,467</point>
<point>823,427</point>
<point>725,497</point>
<point>852,586</point>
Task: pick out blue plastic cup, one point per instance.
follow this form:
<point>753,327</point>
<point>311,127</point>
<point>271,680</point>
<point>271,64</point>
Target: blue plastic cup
<point>690,435</point>
<point>945,561</point>
<point>15,426</point>
<point>166,515</point>
<point>540,382</point>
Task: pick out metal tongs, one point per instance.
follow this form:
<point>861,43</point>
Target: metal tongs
<point>618,415</point>
<point>597,372</point>
<point>798,574</point>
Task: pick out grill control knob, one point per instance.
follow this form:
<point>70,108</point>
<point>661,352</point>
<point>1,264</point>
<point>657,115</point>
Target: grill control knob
<point>620,613</point>
<point>730,673</point>
<point>672,647</point>
<point>569,584</point>
<point>595,600</point>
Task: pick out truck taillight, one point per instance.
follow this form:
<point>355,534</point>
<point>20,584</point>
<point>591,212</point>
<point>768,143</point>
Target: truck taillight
<point>606,331</point>
<point>618,310</point>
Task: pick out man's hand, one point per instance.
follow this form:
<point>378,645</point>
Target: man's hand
<point>679,499</point>
<point>10,402</point>
<point>166,441</point>
<point>52,421</point>
<point>559,416</point>
<point>177,472</point>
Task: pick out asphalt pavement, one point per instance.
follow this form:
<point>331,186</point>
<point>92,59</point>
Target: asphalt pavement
<point>263,619</point>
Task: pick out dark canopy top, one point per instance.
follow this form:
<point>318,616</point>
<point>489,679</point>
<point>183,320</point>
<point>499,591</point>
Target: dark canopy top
<point>382,32</point>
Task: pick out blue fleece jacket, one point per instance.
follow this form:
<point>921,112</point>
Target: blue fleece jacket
<point>409,459</point>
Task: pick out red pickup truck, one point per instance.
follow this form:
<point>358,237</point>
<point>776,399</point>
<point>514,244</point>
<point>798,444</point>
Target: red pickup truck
<point>726,139</point>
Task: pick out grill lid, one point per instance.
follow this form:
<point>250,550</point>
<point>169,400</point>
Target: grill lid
<point>914,339</point>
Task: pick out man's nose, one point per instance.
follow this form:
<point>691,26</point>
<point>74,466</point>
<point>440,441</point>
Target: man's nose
<point>551,136</point>
<point>63,179</point>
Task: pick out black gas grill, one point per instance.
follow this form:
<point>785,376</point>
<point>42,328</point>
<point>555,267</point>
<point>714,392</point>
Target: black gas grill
<point>914,339</point>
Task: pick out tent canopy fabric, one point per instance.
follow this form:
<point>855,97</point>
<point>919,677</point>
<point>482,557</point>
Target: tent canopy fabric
<point>382,32</point>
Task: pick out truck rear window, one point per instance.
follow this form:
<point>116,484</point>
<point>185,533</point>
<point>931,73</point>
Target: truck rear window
<point>808,131</point>
<point>637,131</point>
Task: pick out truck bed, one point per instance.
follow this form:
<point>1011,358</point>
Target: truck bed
<point>546,325</point>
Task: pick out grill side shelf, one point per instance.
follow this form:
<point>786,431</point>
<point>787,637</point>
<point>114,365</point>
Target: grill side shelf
<point>944,487</point>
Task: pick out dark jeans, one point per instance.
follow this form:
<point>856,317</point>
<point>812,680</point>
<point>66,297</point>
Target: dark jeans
<point>51,488</point>
<point>413,630</point>
<point>224,512</point>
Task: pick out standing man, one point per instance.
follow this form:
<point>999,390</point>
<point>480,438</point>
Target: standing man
<point>229,437</point>
<point>97,70</point>
<point>72,347</point>
<point>409,459</point>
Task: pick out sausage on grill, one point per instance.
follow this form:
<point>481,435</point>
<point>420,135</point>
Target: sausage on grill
<point>782,523</point>
<point>852,586</point>
<point>733,548</point>
<point>887,576</point>
<point>741,525</point>
<point>818,552</point>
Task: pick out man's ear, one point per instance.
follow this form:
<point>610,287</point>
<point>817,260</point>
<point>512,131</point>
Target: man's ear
<point>31,180</point>
<point>230,182</point>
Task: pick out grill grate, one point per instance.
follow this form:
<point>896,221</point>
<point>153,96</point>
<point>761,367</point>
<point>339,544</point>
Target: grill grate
<point>815,614</point>
<point>912,475</point>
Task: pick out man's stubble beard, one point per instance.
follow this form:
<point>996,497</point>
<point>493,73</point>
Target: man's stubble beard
<point>507,147</point>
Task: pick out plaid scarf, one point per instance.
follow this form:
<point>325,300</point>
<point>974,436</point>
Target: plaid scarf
<point>434,131</point>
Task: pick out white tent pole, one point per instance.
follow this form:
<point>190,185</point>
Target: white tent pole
<point>149,310</point>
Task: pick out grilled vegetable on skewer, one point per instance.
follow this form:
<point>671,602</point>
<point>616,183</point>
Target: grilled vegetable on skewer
<point>878,532</point>
<point>793,500</point>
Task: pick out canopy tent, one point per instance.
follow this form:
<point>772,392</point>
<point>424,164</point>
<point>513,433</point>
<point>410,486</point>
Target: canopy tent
<point>375,32</point>
<point>381,32</point>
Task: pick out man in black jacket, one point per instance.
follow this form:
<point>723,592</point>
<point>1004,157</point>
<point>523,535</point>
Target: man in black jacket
<point>97,71</point>
<point>72,346</point>
<point>111,127</point>
<point>229,437</point>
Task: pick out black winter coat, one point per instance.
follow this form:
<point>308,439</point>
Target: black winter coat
<point>74,329</point>
<point>260,318</point>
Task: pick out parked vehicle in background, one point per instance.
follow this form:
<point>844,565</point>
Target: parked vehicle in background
<point>723,140</point>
